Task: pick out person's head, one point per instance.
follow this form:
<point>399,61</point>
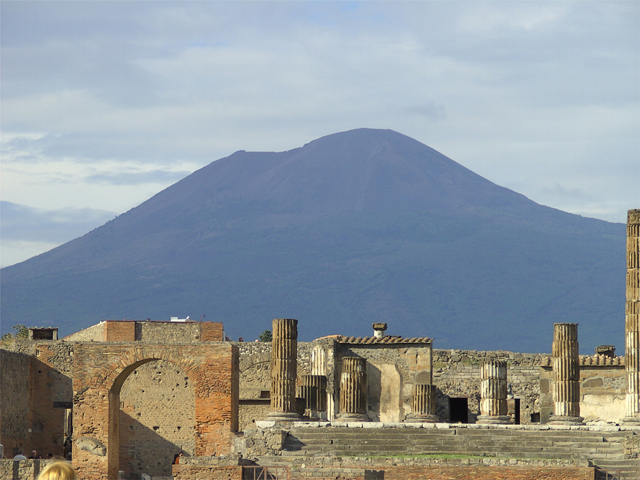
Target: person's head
<point>58,471</point>
<point>33,453</point>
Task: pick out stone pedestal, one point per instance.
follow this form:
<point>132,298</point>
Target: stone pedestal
<point>493,390</point>
<point>314,392</point>
<point>284,366</point>
<point>423,404</point>
<point>353,390</point>
<point>566,375</point>
<point>632,320</point>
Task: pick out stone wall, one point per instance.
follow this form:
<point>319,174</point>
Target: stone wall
<point>255,366</point>
<point>251,410</point>
<point>94,333</point>
<point>21,470</point>
<point>157,418</point>
<point>15,370</point>
<point>456,373</point>
<point>36,389</point>
<point>150,332</point>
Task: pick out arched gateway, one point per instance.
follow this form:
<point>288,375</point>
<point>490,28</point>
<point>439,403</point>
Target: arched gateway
<point>99,371</point>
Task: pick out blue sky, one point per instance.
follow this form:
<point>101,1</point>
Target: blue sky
<point>105,103</point>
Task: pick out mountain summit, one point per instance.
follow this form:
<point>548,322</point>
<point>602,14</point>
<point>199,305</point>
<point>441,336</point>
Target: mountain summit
<point>353,228</point>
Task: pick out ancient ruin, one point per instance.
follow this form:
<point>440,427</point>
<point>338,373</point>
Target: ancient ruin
<point>493,406</point>
<point>632,317</point>
<point>566,374</point>
<point>131,395</point>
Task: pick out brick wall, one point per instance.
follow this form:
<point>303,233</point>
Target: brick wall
<point>119,331</point>
<point>488,473</point>
<point>211,332</point>
<point>100,371</point>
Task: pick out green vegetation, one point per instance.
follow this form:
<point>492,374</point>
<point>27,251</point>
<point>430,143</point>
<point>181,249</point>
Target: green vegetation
<point>265,336</point>
<point>22,333</point>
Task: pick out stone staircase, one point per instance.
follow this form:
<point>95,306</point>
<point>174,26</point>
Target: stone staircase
<point>604,448</point>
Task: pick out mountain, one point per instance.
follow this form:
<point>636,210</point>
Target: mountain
<point>353,228</point>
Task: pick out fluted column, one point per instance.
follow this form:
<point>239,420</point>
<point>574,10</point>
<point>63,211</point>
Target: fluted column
<point>423,404</point>
<point>632,321</point>
<point>353,390</point>
<point>284,366</point>
<point>314,392</point>
<point>493,391</point>
<point>566,375</point>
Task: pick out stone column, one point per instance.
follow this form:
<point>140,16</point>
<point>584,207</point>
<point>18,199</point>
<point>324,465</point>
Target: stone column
<point>566,375</point>
<point>284,366</point>
<point>314,392</point>
<point>423,404</point>
<point>493,391</point>
<point>353,390</point>
<point>632,319</point>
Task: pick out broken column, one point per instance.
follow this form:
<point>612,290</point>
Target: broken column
<point>493,391</point>
<point>284,366</point>
<point>423,404</point>
<point>566,375</point>
<point>314,392</point>
<point>632,320</point>
<point>353,390</point>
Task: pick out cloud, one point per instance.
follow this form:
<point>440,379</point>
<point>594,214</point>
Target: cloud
<point>137,178</point>
<point>24,223</point>
<point>119,99</point>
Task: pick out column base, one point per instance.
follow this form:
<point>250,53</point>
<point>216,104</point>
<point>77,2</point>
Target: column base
<point>283,417</point>
<point>564,420</point>
<point>631,421</point>
<point>351,417</point>
<point>421,418</point>
<point>494,420</point>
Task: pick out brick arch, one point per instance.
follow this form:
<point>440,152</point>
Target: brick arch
<point>99,369</point>
<point>118,371</point>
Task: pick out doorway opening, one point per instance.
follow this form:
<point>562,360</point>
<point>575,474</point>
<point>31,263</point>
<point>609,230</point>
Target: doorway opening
<point>458,410</point>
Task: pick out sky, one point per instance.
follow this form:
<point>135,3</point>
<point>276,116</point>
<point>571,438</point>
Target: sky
<point>105,103</point>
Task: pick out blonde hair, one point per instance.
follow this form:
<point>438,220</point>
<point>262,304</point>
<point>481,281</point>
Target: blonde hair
<point>58,470</point>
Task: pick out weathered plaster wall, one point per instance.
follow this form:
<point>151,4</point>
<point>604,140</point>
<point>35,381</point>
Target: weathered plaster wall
<point>602,389</point>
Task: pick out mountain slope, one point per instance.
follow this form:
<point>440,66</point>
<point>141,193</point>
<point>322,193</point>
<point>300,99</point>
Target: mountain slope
<point>352,228</point>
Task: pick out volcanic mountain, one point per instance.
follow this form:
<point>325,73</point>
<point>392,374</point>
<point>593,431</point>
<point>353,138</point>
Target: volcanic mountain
<point>353,228</point>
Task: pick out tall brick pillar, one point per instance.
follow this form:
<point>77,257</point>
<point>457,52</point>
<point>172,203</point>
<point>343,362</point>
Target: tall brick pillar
<point>566,375</point>
<point>423,404</point>
<point>632,319</point>
<point>353,390</point>
<point>284,369</point>
<point>493,391</point>
<point>314,392</point>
